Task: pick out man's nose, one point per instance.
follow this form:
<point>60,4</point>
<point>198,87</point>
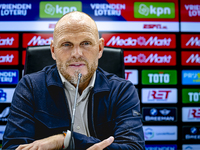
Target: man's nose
<point>77,52</point>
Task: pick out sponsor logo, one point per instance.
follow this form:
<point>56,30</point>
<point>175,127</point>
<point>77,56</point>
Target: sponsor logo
<point>159,77</point>
<point>159,95</point>
<point>30,39</point>
<point>6,95</point>
<point>154,26</point>
<point>190,114</point>
<point>191,77</point>
<point>190,11</point>
<point>190,41</point>
<point>9,58</point>
<point>104,9</point>
<point>190,146</point>
<point>56,9</point>
<point>149,58</point>
<point>2,129</point>
<point>4,114</point>
<point>140,40</point>
<point>159,114</point>
<point>193,10</point>
<point>160,133</point>
<point>9,40</point>
<point>190,58</point>
<point>191,95</point>
<point>9,76</point>
<point>191,133</point>
<point>132,75</point>
<point>16,9</point>
<point>160,147</point>
<point>154,10</point>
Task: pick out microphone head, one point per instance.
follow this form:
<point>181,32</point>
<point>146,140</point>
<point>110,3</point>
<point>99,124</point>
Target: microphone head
<point>79,75</point>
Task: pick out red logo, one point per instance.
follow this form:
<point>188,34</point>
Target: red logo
<point>190,58</point>
<point>149,58</point>
<point>154,26</point>
<point>31,39</point>
<point>140,40</point>
<point>194,113</point>
<point>190,40</point>
<point>9,40</point>
<point>9,58</point>
<point>158,94</point>
<point>190,10</point>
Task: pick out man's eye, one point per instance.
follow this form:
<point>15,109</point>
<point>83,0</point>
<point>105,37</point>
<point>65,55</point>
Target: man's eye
<point>86,43</point>
<point>67,44</point>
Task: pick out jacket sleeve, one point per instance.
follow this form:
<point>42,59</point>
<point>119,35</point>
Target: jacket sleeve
<point>124,107</point>
<point>20,125</point>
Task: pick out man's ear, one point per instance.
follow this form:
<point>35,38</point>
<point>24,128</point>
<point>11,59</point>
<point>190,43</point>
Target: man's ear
<point>52,50</point>
<point>101,47</point>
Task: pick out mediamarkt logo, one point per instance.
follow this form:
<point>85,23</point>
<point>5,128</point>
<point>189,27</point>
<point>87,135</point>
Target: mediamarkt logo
<point>9,58</point>
<point>147,58</point>
<point>36,39</point>
<point>190,41</point>
<point>190,58</point>
<point>9,40</point>
<point>140,40</point>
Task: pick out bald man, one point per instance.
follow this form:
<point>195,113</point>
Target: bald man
<point>42,104</point>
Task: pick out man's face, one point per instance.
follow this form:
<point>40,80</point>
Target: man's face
<point>77,50</point>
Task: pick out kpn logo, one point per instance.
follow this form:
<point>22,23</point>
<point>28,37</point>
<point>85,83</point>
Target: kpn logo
<point>154,10</point>
<point>52,9</point>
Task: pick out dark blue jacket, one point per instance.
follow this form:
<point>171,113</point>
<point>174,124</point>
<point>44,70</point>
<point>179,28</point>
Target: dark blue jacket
<point>39,109</point>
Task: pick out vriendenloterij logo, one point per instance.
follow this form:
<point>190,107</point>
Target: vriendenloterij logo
<point>56,9</point>
<point>154,10</point>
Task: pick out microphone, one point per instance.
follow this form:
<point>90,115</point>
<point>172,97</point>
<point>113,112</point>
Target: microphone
<point>72,144</point>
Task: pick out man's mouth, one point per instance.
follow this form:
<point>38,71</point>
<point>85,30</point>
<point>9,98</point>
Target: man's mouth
<point>77,65</point>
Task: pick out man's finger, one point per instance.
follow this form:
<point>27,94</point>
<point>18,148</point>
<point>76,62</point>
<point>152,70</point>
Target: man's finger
<point>106,142</point>
<point>103,144</point>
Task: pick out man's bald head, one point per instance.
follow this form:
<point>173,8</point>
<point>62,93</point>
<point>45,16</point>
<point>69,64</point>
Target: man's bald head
<point>75,22</point>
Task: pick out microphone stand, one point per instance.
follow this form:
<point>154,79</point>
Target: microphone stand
<point>72,143</point>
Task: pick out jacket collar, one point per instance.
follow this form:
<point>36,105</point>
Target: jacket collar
<point>53,78</point>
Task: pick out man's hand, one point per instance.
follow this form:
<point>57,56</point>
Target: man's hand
<point>52,142</point>
<point>101,145</point>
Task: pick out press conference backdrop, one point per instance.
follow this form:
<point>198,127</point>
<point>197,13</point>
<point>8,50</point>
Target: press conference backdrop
<point>161,41</point>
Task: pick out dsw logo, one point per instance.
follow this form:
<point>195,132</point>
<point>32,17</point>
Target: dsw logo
<point>151,58</point>
<point>140,41</point>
